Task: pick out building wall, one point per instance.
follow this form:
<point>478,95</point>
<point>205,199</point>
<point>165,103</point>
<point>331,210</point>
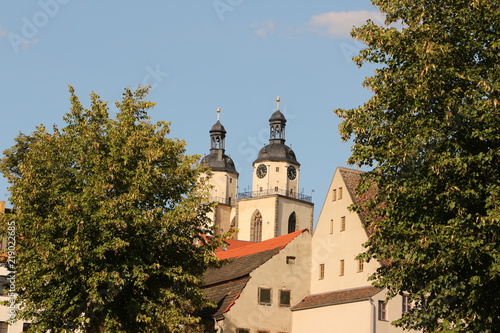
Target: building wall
<point>276,177</point>
<point>222,216</point>
<point>333,243</point>
<point>346,318</point>
<point>354,317</point>
<point>275,211</point>
<point>304,212</point>
<point>394,311</point>
<point>246,209</point>
<point>276,274</point>
<point>225,186</point>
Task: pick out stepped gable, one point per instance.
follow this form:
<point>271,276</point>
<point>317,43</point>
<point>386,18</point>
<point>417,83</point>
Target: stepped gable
<point>337,297</point>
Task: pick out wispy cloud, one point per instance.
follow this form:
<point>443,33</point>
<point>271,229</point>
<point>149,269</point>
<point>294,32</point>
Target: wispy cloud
<point>340,24</point>
<point>263,28</point>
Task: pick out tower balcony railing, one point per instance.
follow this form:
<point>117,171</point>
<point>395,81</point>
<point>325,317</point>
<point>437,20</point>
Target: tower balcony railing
<point>223,200</point>
<point>263,193</point>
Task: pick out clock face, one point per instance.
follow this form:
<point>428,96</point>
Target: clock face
<point>291,172</point>
<point>261,171</point>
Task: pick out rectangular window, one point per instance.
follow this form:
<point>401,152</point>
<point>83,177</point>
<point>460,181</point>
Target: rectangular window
<point>265,296</point>
<point>382,310</point>
<point>342,223</point>
<point>230,180</point>
<point>334,194</point>
<point>4,327</point>
<point>331,226</point>
<point>260,189</point>
<point>341,270</point>
<point>290,260</point>
<point>285,297</point>
<point>361,265</point>
<point>243,330</point>
<point>406,303</point>
<point>340,193</point>
<point>277,169</point>
<point>4,285</point>
<point>261,331</point>
<point>321,271</point>
<point>276,189</point>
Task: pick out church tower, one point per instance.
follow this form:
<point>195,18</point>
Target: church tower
<point>274,207</point>
<point>224,178</point>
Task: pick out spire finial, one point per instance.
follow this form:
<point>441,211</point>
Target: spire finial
<point>218,114</point>
<point>278,103</point>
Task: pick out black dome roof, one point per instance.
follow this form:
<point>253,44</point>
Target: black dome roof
<point>219,162</point>
<point>218,128</point>
<point>277,152</point>
<point>277,116</point>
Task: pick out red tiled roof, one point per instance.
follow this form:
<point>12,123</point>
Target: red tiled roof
<point>273,243</point>
<point>234,244</point>
<point>337,297</point>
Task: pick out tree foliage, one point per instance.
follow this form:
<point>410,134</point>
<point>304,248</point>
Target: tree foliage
<point>431,136</point>
<point>108,214</point>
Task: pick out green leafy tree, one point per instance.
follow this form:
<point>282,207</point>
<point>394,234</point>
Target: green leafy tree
<point>430,135</point>
<point>108,218</point>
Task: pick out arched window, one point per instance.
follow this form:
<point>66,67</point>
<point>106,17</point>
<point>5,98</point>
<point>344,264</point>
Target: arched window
<point>292,223</point>
<point>256,227</point>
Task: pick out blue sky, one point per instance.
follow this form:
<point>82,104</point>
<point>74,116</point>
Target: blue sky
<point>198,55</point>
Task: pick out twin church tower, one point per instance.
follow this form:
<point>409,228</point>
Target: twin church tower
<point>274,207</point>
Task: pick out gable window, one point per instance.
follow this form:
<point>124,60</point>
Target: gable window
<point>290,260</point>
<point>321,271</point>
<point>361,264</point>
<point>341,271</point>
<point>340,193</point>
<point>406,303</point>
<point>334,194</point>
<point>382,310</point>
<point>285,297</point>
<point>265,296</point>
<point>342,223</point>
